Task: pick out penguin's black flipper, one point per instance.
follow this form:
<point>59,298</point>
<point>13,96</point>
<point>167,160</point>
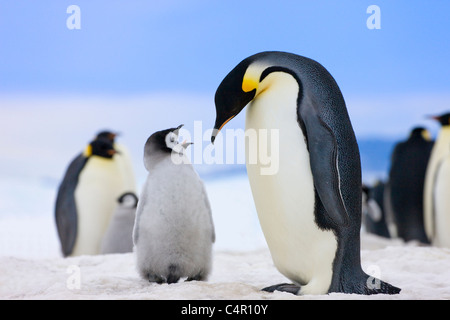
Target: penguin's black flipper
<point>323,154</point>
<point>65,209</point>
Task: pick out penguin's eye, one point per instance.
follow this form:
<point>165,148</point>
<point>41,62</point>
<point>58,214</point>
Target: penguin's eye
<point>172,139</point>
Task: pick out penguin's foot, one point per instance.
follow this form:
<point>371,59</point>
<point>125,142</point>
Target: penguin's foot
<point>198,277</point>
<point>284,287</point>
<point>173,275</point>
<point>154,278</point>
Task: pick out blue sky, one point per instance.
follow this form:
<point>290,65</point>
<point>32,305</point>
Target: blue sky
<point>138,46</point>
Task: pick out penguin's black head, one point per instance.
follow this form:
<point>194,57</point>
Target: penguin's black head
<point>107,135</point>
<point>245,82</point>
<point>232,95</point>
<point>101,148</point>
<point>421,133</point>
<point>444,119</point>
<point>128,200</point>
<point>163,143</point>
<point>164,140</point>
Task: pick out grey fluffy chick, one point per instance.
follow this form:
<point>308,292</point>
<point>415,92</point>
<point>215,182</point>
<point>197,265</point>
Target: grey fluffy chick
<point>174,230</point>
<point>119,235</point>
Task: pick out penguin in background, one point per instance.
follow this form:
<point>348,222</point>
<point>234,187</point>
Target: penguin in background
<point>436,192</point>
<point>174,230</point>
<point>373,213</point>
<point>86,198</point>
<point>310,208</point>
<point>119,235</point>
<point>409,163</point>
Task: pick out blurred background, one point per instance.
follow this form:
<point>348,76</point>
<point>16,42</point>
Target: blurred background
<point>140,66</point>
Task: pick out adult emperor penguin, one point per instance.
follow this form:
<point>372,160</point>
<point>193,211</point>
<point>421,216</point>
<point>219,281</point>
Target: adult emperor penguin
<point>406,184</point>
<point>310,209</point>
<point>86,198</point>
<point>435,189</point>
<point>119,235</point>
<point>174,230</point>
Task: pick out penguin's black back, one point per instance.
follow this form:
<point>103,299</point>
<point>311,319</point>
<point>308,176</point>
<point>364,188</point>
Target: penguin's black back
<point>407,177</point>
<point>65,208</point>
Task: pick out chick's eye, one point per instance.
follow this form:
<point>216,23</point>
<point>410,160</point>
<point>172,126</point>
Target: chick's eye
<point>172,139</point>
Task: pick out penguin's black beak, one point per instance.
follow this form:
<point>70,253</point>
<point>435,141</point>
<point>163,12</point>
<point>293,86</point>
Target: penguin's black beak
<point>437,118</point>
<point>112,152</point>
<point>218,126</point>
<point>115,135</point>
<point>228,105</point>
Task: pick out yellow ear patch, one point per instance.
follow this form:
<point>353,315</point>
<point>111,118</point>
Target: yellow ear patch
<point>88,151</point>
<point>426,135</point>
<point>249,84</point>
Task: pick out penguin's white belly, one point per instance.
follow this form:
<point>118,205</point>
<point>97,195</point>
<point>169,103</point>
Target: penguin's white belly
<point>440,151</point>
<point>442,205</point>
<point>99,186</point>
<point>285,201</point>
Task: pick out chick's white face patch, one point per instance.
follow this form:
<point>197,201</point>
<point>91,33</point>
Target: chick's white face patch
<point>171,140</point>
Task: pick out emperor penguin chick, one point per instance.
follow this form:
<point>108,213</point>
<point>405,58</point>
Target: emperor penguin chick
<point>174,230</point>
<point>119,235</point>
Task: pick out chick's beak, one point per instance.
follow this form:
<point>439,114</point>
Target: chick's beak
<point>186,144</point>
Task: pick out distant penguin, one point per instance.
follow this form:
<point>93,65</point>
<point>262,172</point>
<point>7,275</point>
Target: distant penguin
<point>406,184</point>
<point>309,206</point>
<point>435,189</point>
<point>374,217</point>
<point>174,230</point>
<point>119,235</point>
<point>86,198</point>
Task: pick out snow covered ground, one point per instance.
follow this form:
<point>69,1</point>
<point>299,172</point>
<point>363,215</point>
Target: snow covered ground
<point>31,266</point>
<point>39,137</point>
<point>421,272</point>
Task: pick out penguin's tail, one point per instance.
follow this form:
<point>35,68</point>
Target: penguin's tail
<point>377,286</point>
